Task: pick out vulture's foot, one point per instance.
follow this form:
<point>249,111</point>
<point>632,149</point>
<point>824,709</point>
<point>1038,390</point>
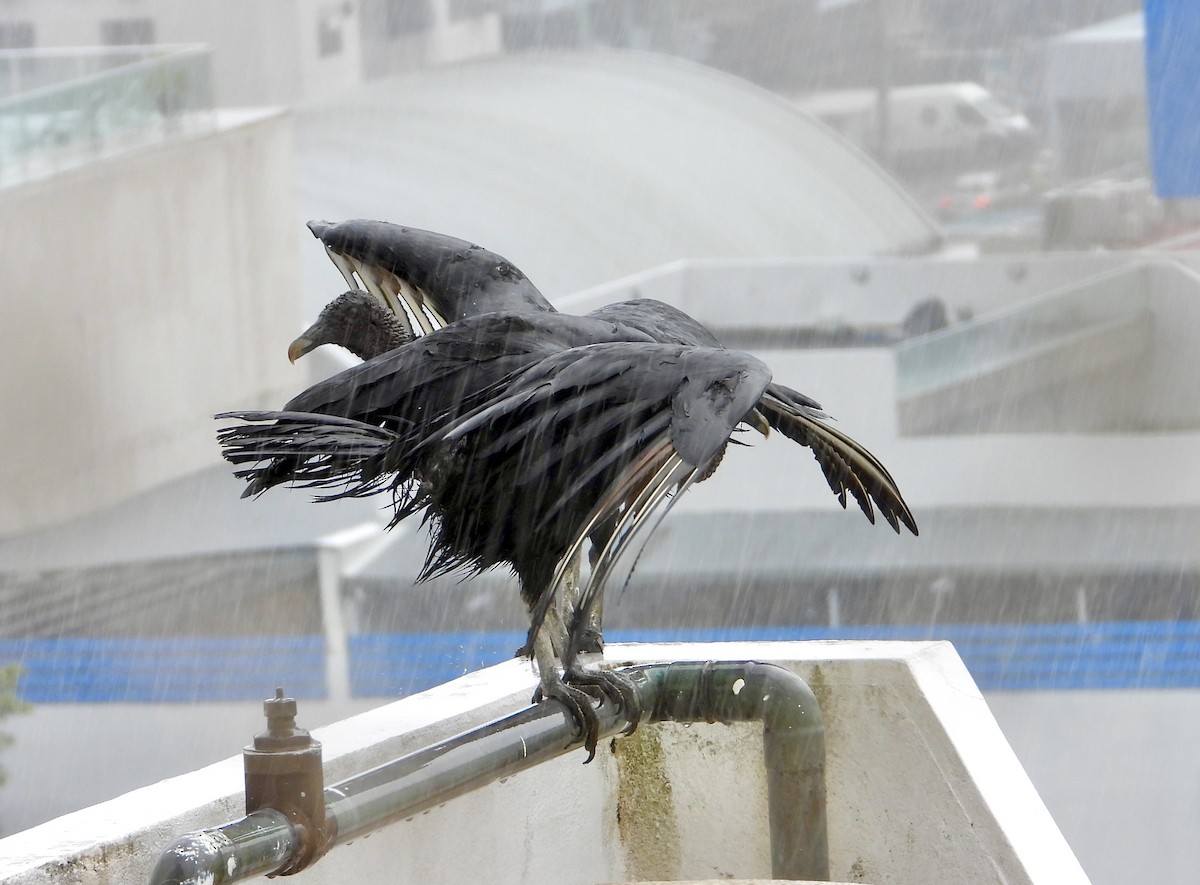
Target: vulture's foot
<point>617,687</point>
<point>579,704</point>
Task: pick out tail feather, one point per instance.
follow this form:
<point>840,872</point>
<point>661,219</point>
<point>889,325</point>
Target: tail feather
<point>306,450</point>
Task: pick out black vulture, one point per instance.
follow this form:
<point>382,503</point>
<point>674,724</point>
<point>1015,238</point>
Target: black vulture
<point>521,431</point>
<point>435,278</point>
<point>431,276</point>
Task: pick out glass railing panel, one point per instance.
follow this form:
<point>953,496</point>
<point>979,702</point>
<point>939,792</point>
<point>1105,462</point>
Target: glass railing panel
<point>97,103</point>
<point>960,352</point>
<point>24,70</point>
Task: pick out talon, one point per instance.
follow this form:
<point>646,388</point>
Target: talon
<point>617,687</point>
<point>579,707</point>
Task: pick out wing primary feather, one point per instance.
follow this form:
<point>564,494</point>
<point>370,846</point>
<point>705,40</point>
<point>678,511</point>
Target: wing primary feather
<point>372,278</point>
<point>675,475</point>
<point>414,299</point>
<point>434,317</point>
<point>347,269</point>
<point>848,466</point>
<point>659,449</point>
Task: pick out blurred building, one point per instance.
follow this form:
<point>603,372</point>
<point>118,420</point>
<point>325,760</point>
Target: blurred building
<point>1095,93</point>
<point>148,255</point>
<point>589,166</point>
<point>270,52</point>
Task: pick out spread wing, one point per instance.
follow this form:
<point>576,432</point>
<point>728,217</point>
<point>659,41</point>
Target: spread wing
<point>849,468</point>
<point>427,279</point>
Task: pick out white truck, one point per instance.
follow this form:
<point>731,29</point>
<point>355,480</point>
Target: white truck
<point>934,123</point>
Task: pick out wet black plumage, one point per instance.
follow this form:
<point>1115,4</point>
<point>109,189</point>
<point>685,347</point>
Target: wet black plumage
<point>429,278</point>
<point>525,431</point>
<point>458,279</point>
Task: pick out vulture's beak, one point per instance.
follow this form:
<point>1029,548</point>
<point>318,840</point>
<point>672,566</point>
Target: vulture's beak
<point>300,347</point>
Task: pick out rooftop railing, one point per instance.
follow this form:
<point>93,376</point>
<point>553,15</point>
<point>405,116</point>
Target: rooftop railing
<point>61,108</point>
<point>961,352</point>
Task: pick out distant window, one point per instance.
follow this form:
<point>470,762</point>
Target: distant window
<point>460,9</point>
<point>929,115</point>
<point>16,35</point>
<point>969,115</point>
<point>127,32</point>
<point>329,34</point>
<point>403,17</point>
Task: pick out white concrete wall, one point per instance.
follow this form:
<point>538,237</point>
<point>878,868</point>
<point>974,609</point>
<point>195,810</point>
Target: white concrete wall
<point>1169,398</point>
<point>141,294</point>
<point>992,470</point>
<point>922,788</point>
<point>1111,470</point>
<point>1131,373</point>
<point>129,745</point>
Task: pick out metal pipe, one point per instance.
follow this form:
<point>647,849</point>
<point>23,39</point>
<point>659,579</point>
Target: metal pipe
<point>261,842</point>
<point>726,691</point>
<point>436,774</point>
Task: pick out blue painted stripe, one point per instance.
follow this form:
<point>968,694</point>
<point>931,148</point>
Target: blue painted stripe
<point>137,670</point>
<point>1134,654</point>
<point>398,664</point>
<point>1121,655</point>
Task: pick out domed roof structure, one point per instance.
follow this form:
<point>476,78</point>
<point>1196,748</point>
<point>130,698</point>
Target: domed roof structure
<point>584,167</point>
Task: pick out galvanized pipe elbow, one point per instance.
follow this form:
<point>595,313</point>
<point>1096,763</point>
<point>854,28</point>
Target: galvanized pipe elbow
<point>793,745</point>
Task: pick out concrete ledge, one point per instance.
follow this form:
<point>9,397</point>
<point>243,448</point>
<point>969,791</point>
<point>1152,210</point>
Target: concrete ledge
<point>922,788</point>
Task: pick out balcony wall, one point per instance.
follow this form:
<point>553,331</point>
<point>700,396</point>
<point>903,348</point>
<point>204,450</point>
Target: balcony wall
<point>142,293</point>
<point>922,788</point>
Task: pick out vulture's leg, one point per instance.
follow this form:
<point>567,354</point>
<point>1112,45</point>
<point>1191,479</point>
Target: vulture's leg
<point>592,640</point>
<point>572,588</point>
<point>558,614</point>
<point>551,685</point>
<point>580,687</point>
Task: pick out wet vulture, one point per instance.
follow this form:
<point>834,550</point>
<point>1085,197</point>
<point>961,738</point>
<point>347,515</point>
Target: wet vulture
<point>524,433</point>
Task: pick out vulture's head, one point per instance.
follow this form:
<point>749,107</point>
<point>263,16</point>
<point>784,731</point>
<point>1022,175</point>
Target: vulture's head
<point>357,321</point>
